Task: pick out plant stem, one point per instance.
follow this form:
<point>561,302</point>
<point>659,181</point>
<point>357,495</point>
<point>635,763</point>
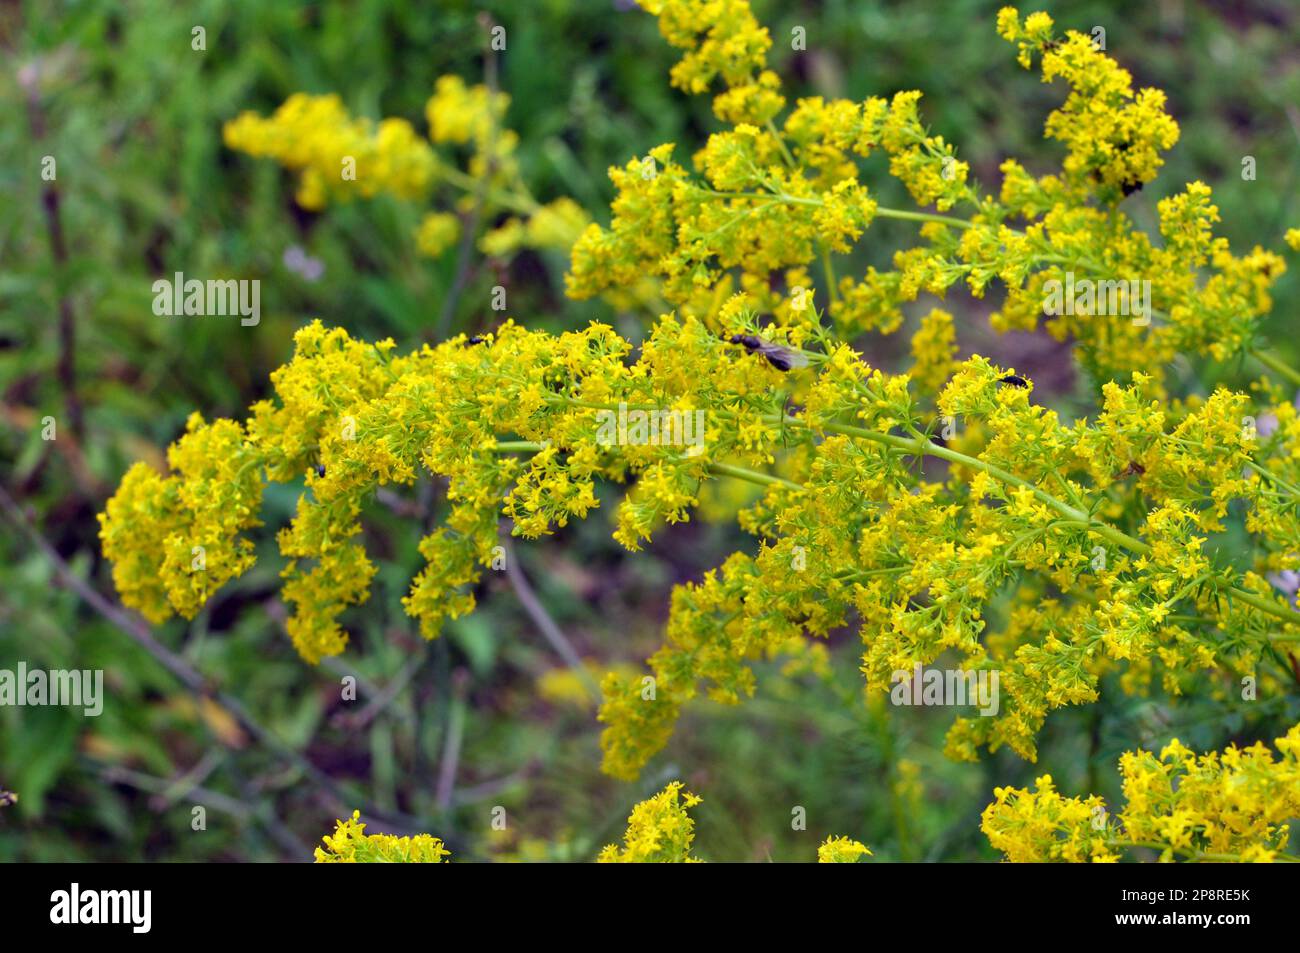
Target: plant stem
<point>829,267</point>
<point>1276,364</point>
<point>906,216</point>
<point>518,446</point>
<point>51,202</point>
<point>923,446</point>
<point>717,469</point>
<point>753,476</point>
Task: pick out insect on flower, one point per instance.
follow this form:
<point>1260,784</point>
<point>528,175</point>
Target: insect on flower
<point>1014,380</point>
<point>782,358</point>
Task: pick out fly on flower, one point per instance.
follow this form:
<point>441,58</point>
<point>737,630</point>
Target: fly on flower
<point>782,358</point>
<point>1014,380</point>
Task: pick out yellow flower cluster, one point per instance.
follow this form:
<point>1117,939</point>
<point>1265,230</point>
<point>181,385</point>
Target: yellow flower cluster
<point>1230,805</point>
<point>339,157</point>
<point>841,850</point>
<point>934,347</point>
<point>1114,136</point>
<point>919,561</point>
<point>438,231</point>
<point>723,40</point>
<point>659,831</point>
<point>218,490</point>
<point>772,198</point>
<point>350,844</point>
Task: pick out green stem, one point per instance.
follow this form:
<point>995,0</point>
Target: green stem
<point>753,476</point>
<point>718,469</point>
<point>518,446</point>
<point>780,141</point>
<point>523,204</point>
<point>882,211</point>
<point>829,268</point>
<point>1276,364</point>
<point>906,216</point>
<point>923,446</point>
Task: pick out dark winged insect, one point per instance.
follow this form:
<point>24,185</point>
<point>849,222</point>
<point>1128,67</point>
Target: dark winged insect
<point>476,339</point>
<point>320,469</point>
<point>782,358</point>
<point>1133,469</point>
<point>1013,380</point>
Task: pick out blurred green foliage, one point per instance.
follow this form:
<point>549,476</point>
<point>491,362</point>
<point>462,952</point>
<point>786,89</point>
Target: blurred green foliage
<point>132,114</point>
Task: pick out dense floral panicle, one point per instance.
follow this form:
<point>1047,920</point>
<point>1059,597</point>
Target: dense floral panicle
<point>350,844</point>
<point>722,39</point>
<point>853,528</point>
<point>659,831</point>
<point>144,510</point>
<point>641,714</point>
<point>920,561</point>
<point>771,197</point>
<point>1042,825</point>
<point>1114,136</point>
<point>841,850</point>
<point>1229,805</point>
<point>934,347</point>
<point>174,541</point>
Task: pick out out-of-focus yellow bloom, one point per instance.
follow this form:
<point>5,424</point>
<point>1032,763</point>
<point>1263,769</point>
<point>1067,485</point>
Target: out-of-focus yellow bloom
<point>437,232</point>
<point>337,155</point>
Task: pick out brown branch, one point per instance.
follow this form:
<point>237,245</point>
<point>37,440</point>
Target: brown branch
<point>464,254</point>
<point>139,633</point>
<point>51,202</point>
<point>542,619</point>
